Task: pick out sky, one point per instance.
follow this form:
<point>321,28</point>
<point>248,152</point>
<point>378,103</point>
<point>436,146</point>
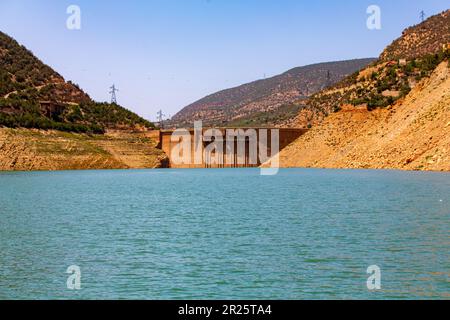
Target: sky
<point>166,54</point>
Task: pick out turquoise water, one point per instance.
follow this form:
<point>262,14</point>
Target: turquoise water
<point>224,234</point>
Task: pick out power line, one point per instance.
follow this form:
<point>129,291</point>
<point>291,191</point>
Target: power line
<point>113,94</point>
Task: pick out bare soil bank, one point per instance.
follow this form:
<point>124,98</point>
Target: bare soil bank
<point>414,134</point>
<point>26,150</point>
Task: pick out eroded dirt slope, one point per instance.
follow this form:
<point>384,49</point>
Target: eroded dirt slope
<point>414,134</point>
<point>23,149</point>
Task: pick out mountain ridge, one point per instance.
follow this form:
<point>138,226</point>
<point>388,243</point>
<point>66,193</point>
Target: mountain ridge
<point>420,39</point>
<point>265,95</point>
<point>33,95</point>
<point>393,114</point>
<point>399,68</point>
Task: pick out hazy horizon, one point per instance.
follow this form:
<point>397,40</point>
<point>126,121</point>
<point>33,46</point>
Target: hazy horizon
<point>168,54</point>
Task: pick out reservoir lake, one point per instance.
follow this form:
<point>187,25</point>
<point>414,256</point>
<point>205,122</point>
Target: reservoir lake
<point>225,234</point>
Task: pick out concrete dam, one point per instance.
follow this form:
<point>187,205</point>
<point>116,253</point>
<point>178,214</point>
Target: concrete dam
<point>225,147</point>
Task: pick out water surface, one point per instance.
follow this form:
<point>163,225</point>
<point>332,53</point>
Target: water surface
<point>224,234</point>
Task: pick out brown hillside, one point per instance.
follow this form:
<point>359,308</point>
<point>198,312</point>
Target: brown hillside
<point>413,134</point>
<point>403,64</point>
<point>425,38</point>
<point>25,149</point>
<point>266,101</point>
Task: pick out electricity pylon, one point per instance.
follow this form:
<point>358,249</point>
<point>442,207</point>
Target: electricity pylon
<point>113,94</point>
<point>160,119</point>
<point>422,15</point>
<point>328,78</point>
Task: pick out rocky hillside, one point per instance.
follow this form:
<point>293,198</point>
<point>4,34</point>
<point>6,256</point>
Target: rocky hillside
<point>412,134</point>
<point>427,37</point>
<point>393,114</point>
<point>32,95</point>
<point>269,100</point>
<point>387,80</point>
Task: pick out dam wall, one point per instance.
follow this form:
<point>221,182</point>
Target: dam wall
<point>235,151</point>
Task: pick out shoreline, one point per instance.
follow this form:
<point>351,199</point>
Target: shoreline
<point>38,150</point>
<point>222,169</point>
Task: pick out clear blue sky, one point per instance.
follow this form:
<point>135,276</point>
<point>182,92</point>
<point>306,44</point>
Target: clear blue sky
<point>168,53</point>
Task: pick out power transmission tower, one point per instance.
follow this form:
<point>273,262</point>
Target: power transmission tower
<point>422,15</point>
<point>113,94</point>
<point>328,78</point>
<point>161,119</point>
<point>328,82</point>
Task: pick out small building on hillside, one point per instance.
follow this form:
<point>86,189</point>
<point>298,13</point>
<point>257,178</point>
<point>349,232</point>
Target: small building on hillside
<point>402,62</point>
<point>52,108</point>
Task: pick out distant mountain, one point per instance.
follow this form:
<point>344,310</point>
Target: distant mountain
<point>33,95</point>
<point>269,99</point>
